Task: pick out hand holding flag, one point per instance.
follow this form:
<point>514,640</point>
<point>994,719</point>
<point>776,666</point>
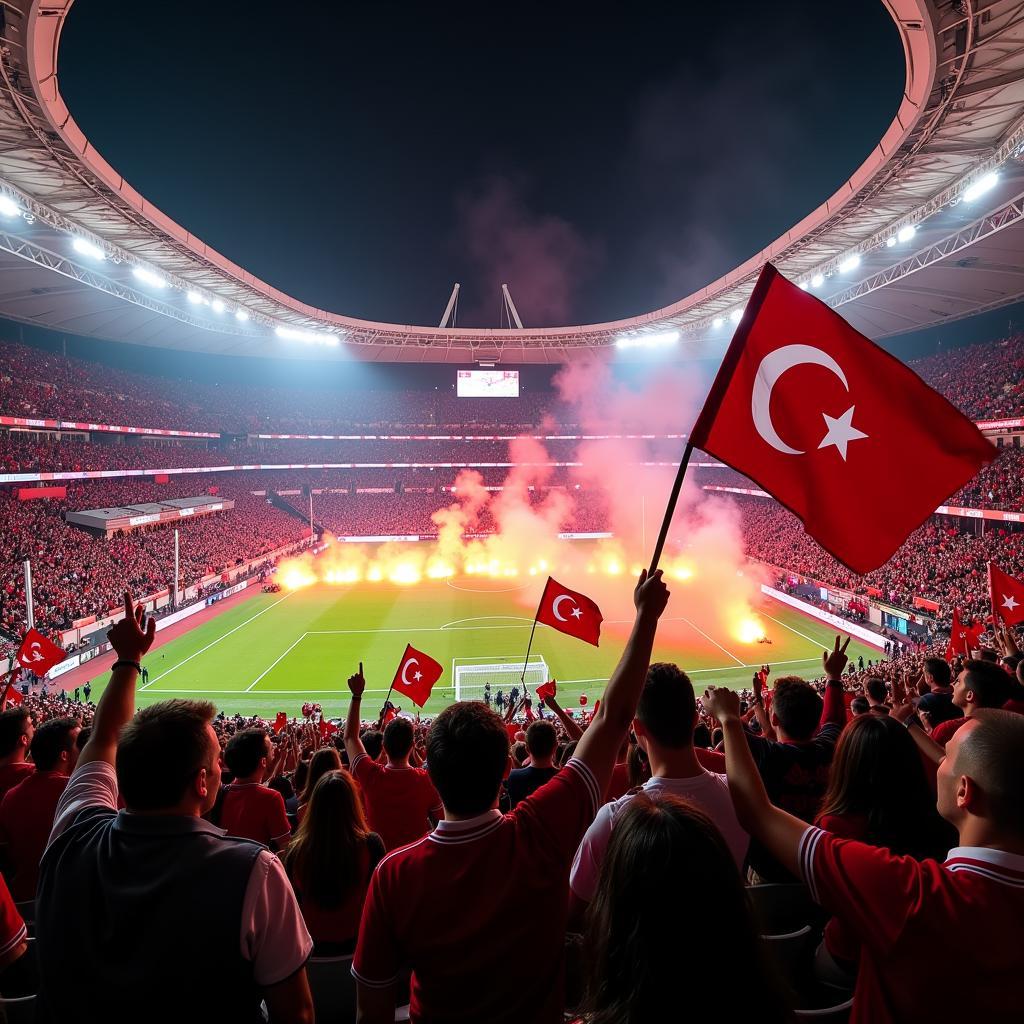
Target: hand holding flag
<point>546,690</point>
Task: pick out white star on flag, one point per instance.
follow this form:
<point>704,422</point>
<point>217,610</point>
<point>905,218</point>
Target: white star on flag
<point>417,676</point>
<point>576,613</point>
<point>841,431</point>
<point>1010,602</point>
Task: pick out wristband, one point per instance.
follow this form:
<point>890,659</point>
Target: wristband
<point>126,663</point>
<point>914,720</point>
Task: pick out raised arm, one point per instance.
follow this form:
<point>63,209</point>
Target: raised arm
<point>833,711</point>
<point>600,743</point>
<point>778,831</point>
<point>117,705</point>
<point>762,716</point>
<point>572,728</point>
<point>353,744</point>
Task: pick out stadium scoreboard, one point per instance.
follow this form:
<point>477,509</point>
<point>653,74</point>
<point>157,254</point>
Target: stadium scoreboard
<point>488,384</point>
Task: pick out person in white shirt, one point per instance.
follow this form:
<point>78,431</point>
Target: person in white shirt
<point>664,724</point>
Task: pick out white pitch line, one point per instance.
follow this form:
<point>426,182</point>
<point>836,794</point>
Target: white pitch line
<point>714,641</point>
<point>565,682</point>
<point>202,650</point>
<point>811,639</point>
<point>276,661</point>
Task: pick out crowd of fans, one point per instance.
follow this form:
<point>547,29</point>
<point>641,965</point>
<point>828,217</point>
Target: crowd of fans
<point>818,837</point>
<point>76,574</point>
<point>939,562</point>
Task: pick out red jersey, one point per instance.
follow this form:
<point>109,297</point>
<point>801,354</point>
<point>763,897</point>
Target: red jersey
<point>398,800</point>
<point>900,908</point>
<point>12,774</point>
<point>254,811</point>
<point>451,907</point>
<point>12,928</point>
<point>943,732</point>
<point>26,818</point>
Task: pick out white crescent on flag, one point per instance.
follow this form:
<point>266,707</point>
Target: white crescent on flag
<point>417,676</point>
<point>558,615</point>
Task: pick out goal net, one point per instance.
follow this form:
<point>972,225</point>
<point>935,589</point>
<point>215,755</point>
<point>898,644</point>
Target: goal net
<point>473,676</point>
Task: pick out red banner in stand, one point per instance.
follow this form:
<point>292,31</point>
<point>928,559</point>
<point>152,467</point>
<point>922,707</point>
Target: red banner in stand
<point>38,654</point>
<point>1007,596</point>
<point>416,675</point>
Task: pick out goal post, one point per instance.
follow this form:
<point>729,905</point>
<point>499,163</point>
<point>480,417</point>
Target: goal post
<point>472,675</point>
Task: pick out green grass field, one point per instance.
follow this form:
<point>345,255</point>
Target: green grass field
<point>274,651</point>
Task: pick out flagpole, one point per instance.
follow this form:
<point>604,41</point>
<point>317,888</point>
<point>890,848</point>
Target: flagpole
<point>669,511</point>
<point>529,646</point>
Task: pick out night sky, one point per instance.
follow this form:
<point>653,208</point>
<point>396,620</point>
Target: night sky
<point>603,159</point>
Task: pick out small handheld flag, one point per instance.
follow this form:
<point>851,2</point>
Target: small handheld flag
<point>416,675</point>
<point>803,404</point>
<point>570,612</point>
<point>546,690</point>
<point>37,654</point>
<point>1007,596</point>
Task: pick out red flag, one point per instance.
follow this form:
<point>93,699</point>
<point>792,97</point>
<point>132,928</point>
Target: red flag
<point>569,612</point>
<point>546,690</point>
<point>963,638</point>
<point>327,729</point>
<point>280,723</point>
<point>38,654</point>
<point>416,675</point>
<point>806,406</point>
<point>10,696</point>
<point>1007,596</point>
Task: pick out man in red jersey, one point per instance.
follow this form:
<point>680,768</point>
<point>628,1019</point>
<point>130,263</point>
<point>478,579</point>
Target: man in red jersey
<point>250,809</point>
<point>450,906</point>
<point>899,907</point>
<point>26,812</point>
<point>401,801</point>
<point>16,732</point>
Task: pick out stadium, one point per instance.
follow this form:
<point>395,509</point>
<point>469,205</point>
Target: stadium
<point>346,542</point>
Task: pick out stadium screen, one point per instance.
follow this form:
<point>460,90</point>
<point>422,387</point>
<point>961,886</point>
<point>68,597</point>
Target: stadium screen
<point>488,384</point>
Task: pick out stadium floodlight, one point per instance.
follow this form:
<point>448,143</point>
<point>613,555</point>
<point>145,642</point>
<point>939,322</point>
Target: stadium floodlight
<point>86,248</point>
<point>817,281</point>
<point>736,316</point>
<point>905,234</point>
<point>217,306</point>
<point>717,322</point>
<point>8,207</point>
<point>148,277</point>
<point>241,314</point>
<point>890,241</point>
<point>850,263</point>
<point>194,297</point>
<point>314,337</point>
<point>647,340</point>
<point>980,187</point>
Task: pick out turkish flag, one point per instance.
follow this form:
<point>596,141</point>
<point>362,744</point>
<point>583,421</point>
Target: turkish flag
<point>819,416</point>
<point>327,729</point>
<point>416,675</point>
<point>280,722</point>
<point>10,696</point>
<point>38,654</point>
<point>569,612</point>
<point>1007,596</point>
<point>546,690</point>
<point>963,638</point>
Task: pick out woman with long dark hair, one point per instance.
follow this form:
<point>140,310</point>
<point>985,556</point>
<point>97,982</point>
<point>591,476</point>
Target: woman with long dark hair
<point>330,860</point>
<point>326,759</point>
<point>877,793</point>
<point>670,900</point>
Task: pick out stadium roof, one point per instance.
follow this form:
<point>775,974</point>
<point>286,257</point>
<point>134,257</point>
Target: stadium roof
<point>934,243</point>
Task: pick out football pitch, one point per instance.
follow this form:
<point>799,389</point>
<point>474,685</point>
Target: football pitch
<point>274,651</point>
